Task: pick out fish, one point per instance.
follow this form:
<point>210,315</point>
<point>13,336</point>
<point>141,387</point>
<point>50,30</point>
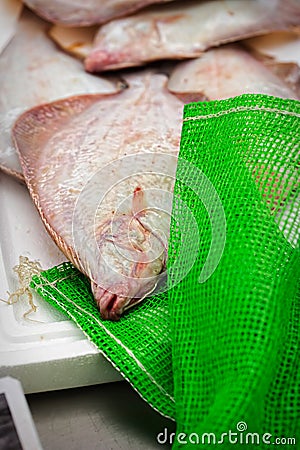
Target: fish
<point>185,30</point>
<point>100,170</point>
<point>10,11</point>
<point>91,12</point>
<point>227,71</point>
<point>34,71</point>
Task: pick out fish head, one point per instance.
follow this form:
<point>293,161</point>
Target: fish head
<point>131,261</point>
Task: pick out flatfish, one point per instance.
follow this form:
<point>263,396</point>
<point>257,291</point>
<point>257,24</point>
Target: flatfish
<point>186,29</point>
<point>101,171</point>
<point>34,71</point>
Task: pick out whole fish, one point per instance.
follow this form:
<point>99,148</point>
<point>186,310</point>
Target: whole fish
<point>224,72</point>
<point>185,30</point>
<point>89,12</point>
<point>34,71</point>
<point>98,169</point>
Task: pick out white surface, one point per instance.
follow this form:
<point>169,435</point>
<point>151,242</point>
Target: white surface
<point>43,350</point>
<point>20,413</point>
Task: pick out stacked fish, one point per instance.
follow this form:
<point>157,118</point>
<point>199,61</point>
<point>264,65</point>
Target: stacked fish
<point>98,151</point>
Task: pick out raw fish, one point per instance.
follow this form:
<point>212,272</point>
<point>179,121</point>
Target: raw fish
<point>186,29</point>
<point>96,166</point>
<point>88,12</point>
<point>34,71</point>
<point>226,72</point>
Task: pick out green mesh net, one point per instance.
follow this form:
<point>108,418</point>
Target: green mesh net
<point>219,350</point>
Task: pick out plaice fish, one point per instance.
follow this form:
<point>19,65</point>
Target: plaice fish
<point>78,155</point>
<point>34,71</point>
<point>186,29</point>
<point>89,12</point>
<point>10,11</point>
<point>224,72</point>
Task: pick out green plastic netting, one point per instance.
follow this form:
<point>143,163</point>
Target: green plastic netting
<point>218,351</point>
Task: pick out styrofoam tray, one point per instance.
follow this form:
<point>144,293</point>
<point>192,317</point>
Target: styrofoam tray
<point>43,350</point>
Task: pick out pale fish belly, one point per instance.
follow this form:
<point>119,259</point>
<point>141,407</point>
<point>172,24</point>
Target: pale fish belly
<point>33,71</point>
<point>186,29</point>
<point>101,172</point>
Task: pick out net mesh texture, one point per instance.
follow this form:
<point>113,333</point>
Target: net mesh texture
<point>219,350</point>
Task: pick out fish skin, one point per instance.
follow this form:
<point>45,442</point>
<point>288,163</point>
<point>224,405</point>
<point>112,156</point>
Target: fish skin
<point>185,30</point>
<point>90,12</point>
<point>47,74</point>
<point>225,72</point>
<point>63,145</point>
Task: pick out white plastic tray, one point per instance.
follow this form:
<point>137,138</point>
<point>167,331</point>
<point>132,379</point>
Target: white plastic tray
<point>43,350</point>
